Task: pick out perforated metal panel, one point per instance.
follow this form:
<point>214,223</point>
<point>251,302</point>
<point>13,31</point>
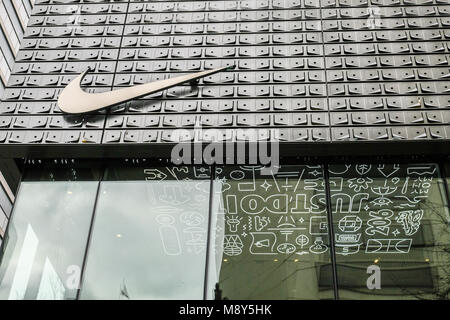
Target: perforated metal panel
<point>307,71</point>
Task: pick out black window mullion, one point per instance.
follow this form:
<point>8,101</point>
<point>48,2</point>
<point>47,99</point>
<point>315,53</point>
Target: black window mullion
<point>209,233</point>
<point>444,174</point>
<point>91,228</point>
<point>331,231</point>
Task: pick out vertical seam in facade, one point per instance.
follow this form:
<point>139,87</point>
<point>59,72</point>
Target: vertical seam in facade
<point>107,112</point>
<point>327,98</point>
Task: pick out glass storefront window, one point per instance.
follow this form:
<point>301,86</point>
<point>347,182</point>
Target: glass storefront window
<point>391,226</point>
<point>270,235</point>
<point>240,233</point>
<point>149,235</point>
<point>44,247</point>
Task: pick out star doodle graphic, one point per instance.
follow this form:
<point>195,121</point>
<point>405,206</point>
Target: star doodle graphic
<point>366,207</point>
<point>315,173</point>
<point>301,220</point>
<point>223,180</point>
<point>266,185</point>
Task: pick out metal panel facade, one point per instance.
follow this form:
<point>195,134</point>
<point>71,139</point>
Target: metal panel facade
<point>308,72</point>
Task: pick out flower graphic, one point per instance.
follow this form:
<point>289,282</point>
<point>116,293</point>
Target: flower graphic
<point>357,184</point>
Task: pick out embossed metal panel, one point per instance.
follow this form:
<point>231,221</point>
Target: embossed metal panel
<point>308,72</point>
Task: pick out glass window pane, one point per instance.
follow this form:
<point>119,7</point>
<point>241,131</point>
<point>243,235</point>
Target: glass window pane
<point>390,220</point>
<point>269,235</point>
<point>44,248</point>
<point>149,235</point>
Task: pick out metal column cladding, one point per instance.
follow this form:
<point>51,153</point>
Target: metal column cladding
<point>308,72</point>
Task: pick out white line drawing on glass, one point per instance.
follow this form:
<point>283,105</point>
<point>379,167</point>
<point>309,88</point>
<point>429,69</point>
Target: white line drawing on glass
<point>167,210</point>
<point>317,204</point>
<point>224,185</point>
<point>286,174</point>
<point>300,253</point>
<point>232,245</point>
<point>410,221</point>
<point>347,249</point>
<point>263,243</point>
<point>202,172</point>
<point>275,182</point>
<point>285,232</point>
<point>421,170</point>
<point>173,194</point>
<point>388,170</point>
<point>192,218</point>
<point>261,222</point>
<point>233,223</point>
<point>286,222</point>
<point>231,204</point>
<point>318,225</point>
<point>202,187</point>
<point>345,203</point>
<point>219,171</point>
<point>350,224</point>
<point>347,167</point>
<point>346,243</point>
<point>266,186</point>
<point>363,169</point>
<point>315,173</point>
<point>316,184</point>
<point>302,240</point>
<point>382,192</point>
<point>298,180</point>
<point>318,247</point>
<point>395,232</point>
<point>336,184</point>
<point>395,180</point>
<point>286,248</point>
<point>168,235</point>
<point>197,242</point>
<point>421,185</point>
<point>347,238</point>
<point>178,169</point>
<point>287,186</point>
<point>237,175</point>
<point>380,222</point>
<point>248,186</point>
<point>405,185</point>
<point>155,174</point>
<point>359,184</point>
<point>411,203</point>
<point>388,245</point>
<point>255,204</point>
<point>250,223</point>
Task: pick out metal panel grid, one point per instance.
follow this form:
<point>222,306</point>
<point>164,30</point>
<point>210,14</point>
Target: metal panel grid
<point>307,72</point>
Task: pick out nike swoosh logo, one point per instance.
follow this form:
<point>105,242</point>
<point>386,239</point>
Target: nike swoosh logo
<point>74,100</point>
